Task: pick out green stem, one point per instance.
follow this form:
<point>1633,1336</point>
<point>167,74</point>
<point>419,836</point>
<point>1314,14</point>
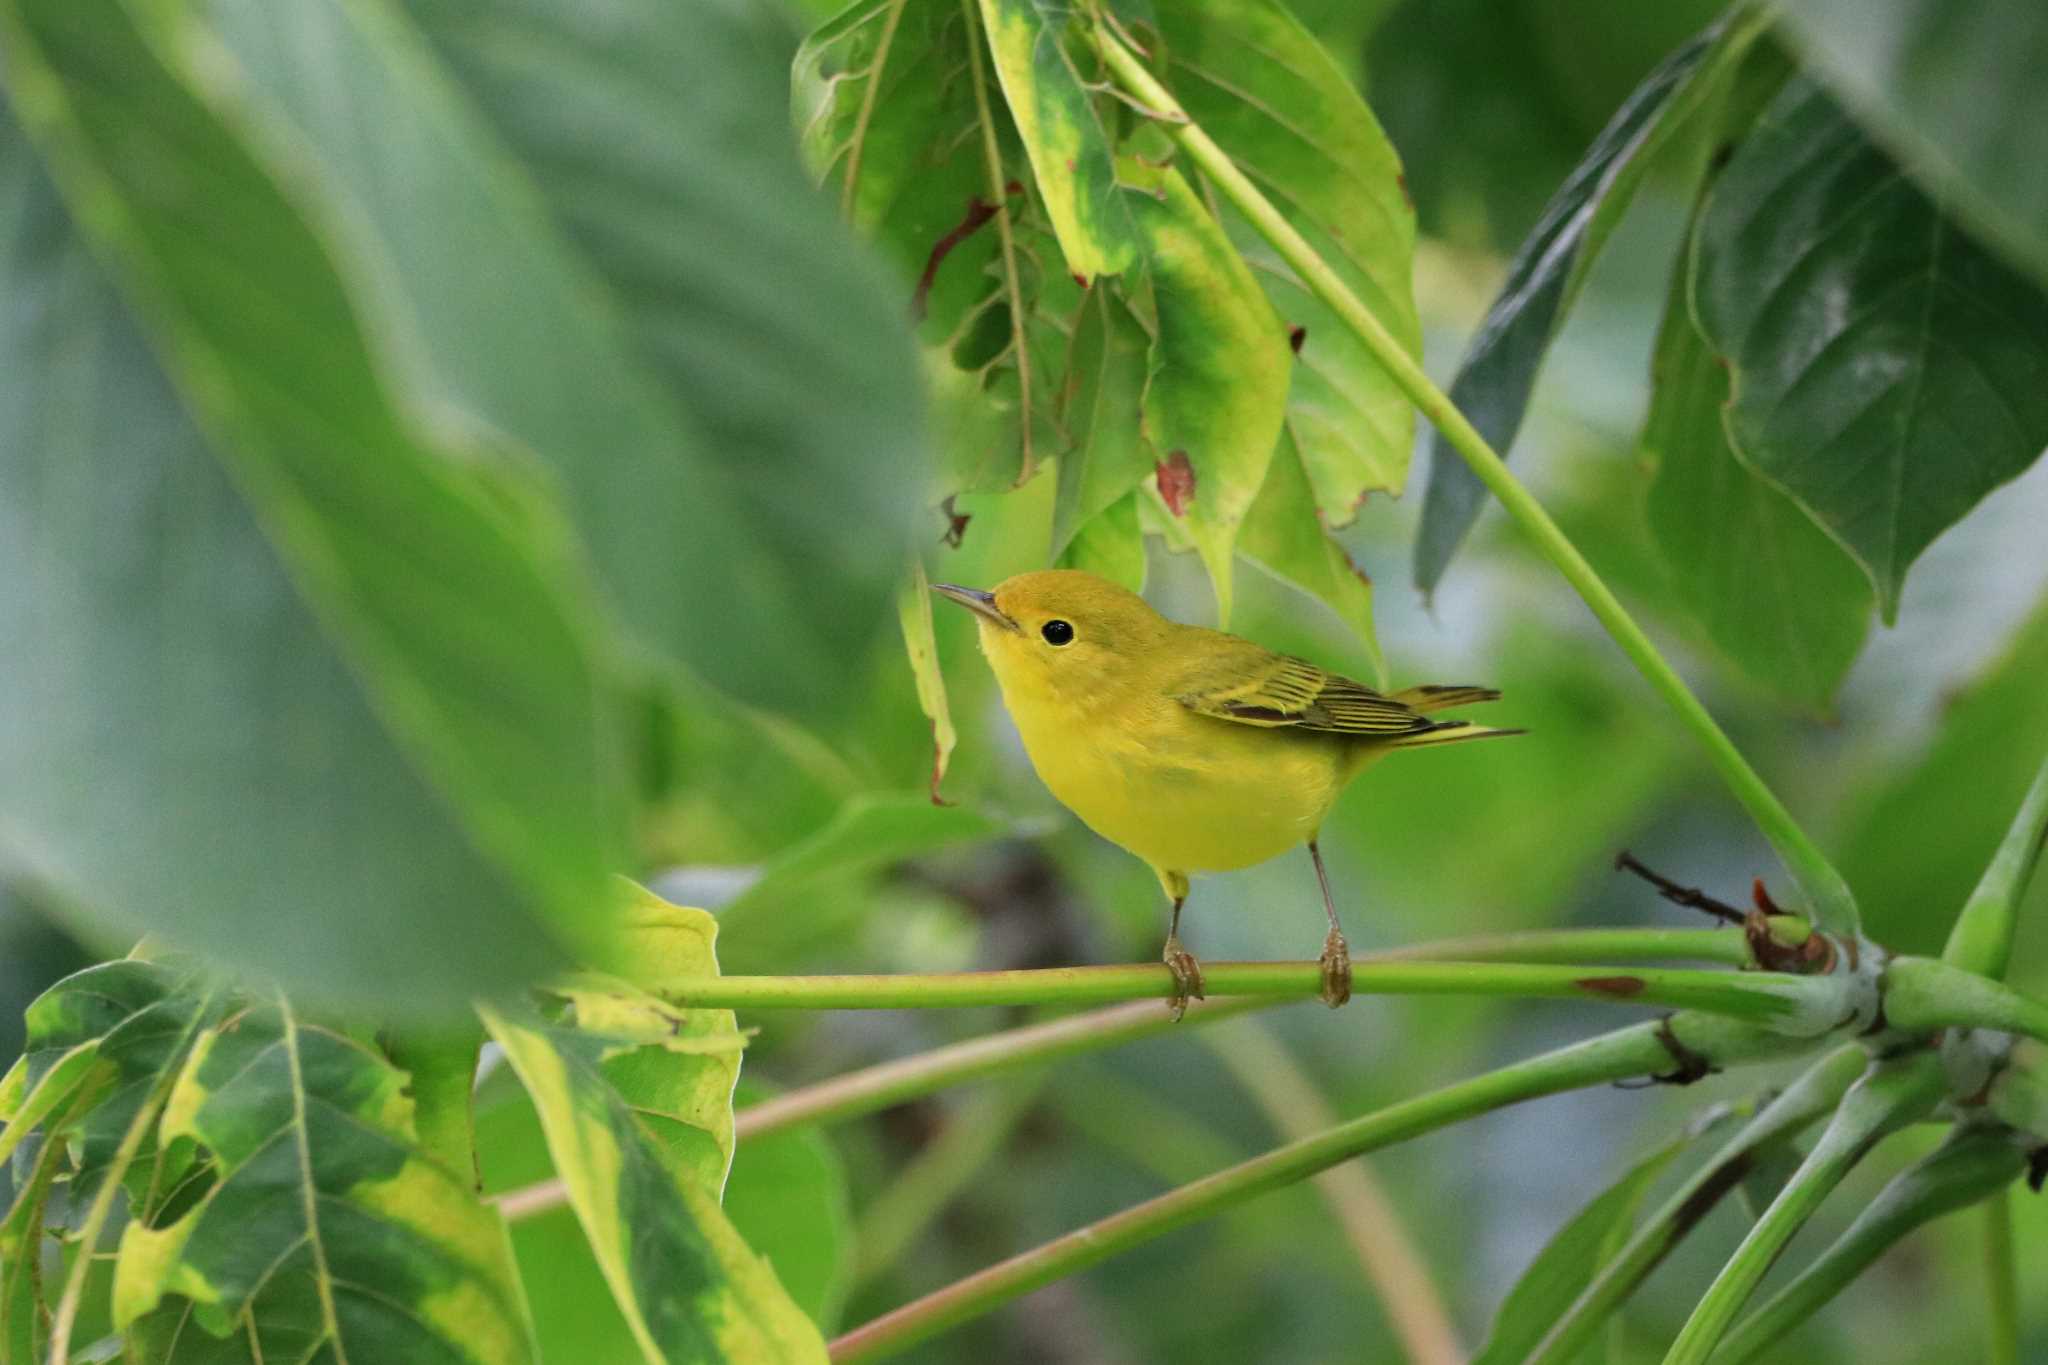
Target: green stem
<point>1921,995</point>
<point>1393,1265</point>
<point>1800,1003</point>
<point>1628,1052</point>
<point>1815,1093</point>
<point>1974,1163</point>
<point>2001,1274</point>
<point>1823,885</point>
<point>442,1064</point>
<point>1889,1097</point>
<point>1981,941</point>
<point>933,1178</point>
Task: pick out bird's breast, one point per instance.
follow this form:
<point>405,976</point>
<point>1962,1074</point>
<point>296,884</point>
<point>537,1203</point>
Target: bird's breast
<point>1185,792</point>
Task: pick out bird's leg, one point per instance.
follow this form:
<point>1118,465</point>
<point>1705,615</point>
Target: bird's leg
<point>1187,972</point>
<point>1336,958</point>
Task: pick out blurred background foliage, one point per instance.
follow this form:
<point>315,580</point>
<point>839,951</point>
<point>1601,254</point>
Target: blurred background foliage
<point>760,699</point>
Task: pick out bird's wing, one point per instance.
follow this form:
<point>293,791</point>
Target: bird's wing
<point>1255,686</point>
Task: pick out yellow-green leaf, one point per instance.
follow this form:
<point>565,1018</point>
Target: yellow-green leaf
<point>914,610</point>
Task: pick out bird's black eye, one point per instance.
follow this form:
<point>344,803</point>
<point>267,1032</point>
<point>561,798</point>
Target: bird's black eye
<point>1057,632</point>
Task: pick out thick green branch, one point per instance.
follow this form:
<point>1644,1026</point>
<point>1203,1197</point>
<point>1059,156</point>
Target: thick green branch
<point>1628,1052</point>
<point>1888,1098</point>
<point>1921,995</point>
<point>1815,1093</point>
<point>1974,1163</point>
<point>1800,1004</point>
<point>1981,941</point>
<point>1822,884</point>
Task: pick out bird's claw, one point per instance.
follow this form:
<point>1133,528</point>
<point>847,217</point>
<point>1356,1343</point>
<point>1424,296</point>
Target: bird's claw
<point>1336,965</point>
<point>1187,976</point>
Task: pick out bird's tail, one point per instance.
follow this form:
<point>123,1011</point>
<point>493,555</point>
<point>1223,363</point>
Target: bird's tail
<point>1449,732</point>
<point>1439,697</point>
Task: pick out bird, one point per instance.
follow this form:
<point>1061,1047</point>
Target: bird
<point>1195,750</point>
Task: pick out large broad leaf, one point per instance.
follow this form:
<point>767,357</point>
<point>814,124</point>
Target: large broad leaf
<point>363,680</point>
<point>1282,536</point>
<point>1272,96</point>
<point>1888,372</point>
<point>903,119</point>
<point>1920,838</point>
<point>1767,586</point>
<point>1498,374</point>
<point>1954,88</point>
<point>688,1286</point>
<point>722,384</point>
<point>327,1234</point>
<point>1570,1260</point>
<point>1107,455</point>
<point>788,1196</point>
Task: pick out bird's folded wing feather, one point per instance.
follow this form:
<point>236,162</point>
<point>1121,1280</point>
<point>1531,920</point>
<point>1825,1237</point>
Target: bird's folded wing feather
<point>1255,686</point>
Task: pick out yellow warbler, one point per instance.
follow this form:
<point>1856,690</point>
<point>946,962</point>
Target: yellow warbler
<point>1197,751</point>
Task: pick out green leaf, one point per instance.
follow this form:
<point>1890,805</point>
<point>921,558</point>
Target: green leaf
<point>1107,455</point>
<point>1954,88</point>
<point>902,119</point>
<point>1275,100</point>
<point>1111,544</point>
<point>914,609</point>
<point>361,659</point>
<point>1569,1261</point>
<point>1767,586</point>
<point>1216,394</point>
<point>689,1287</point>
<point>1920,837</point>
<point>1886,369</point>
<point>327,1230</point>
<point>1499,370</point>
<point>705,428</point>
<point>1281,535</point>
<point>788,1196</point>
<point>1072,153</point>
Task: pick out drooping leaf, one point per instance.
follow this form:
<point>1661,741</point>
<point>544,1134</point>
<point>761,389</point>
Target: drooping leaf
<point>720,382</point>
<point>1072,152</point>
<point>914,609</point>
<point>903,120</point>
<point>1498,374</point>
<point>1953,88</point>
<point>1920,837</point>
<point>788,1196</point>
<point>367,675</point>
<point>1275,100</point>
<point>1569,1261</point>
<point>1216,394</point>
<point>689,1287</point>
<point>327,1234</point>
<point>1772,592</point>
<point>1887,371</point>
<point>1281,534</point>
<point>1111,544</point>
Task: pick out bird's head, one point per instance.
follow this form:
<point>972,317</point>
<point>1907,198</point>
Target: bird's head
<point>1061,630</point>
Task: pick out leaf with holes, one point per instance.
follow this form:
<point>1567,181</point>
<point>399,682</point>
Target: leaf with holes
<point>1954,88</point>
<point>1277,102</point>
<point>327,1233</point>
<point>1888,372</point>
<point>1499,370</point>
<point>1772,592</point>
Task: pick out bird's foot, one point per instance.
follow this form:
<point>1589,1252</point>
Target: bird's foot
<point>1187,975</point>
<point>1336,965</point>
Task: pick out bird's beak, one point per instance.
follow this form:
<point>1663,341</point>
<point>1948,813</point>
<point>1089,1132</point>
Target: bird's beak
<point>982,604</point>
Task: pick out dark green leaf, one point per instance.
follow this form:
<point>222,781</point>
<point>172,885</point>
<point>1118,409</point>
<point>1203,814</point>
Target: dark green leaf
<point>364,674</point>
<point>1283,536</point>
<point>1568,1262</point>
<point>1767,586</point>
<point>1954,88</point>
<point>328,1231</point>
<point>1887,371</point>
<point>1498,373</point>
<point>1107,455</point>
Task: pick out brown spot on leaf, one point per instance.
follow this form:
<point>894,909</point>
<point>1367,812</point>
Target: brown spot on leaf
<point>1622,986</point>
<point>956,523</point>
<point>1401,179</point>
<point>1176,482</point>
<point>979,211</point>
<point>1295,336</point>
<point>1080,279</point>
